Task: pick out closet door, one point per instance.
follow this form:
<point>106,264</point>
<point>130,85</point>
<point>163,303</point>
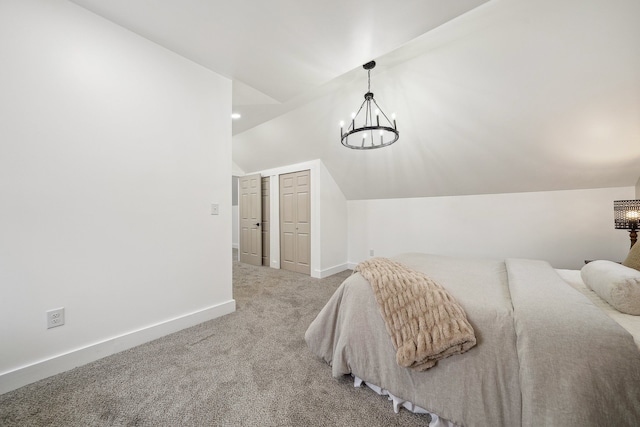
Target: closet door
<point>266,203</point>
<point>250,217</point>
<point>295,222</point>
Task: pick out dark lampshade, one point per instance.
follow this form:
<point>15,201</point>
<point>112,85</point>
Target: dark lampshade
<point>626,214</point>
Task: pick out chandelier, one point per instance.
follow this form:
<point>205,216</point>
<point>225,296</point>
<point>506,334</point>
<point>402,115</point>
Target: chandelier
<point>369,134</point>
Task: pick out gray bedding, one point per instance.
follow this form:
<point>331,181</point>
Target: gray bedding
<point>545,355</point>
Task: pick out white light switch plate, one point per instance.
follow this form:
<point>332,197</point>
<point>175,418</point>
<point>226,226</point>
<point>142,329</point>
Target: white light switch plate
<point>214,209</point>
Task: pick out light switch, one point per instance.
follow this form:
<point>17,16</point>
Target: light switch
<point>214,209</point>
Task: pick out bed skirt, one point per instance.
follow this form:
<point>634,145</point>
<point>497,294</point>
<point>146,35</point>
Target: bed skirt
<point>435,420</point>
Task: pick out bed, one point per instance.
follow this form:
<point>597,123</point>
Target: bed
<point>549,351</point>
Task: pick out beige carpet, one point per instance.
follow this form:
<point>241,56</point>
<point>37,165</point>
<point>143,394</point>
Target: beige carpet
<point>250,368</point>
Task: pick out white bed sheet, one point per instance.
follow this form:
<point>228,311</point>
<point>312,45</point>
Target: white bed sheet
<point>627,321</point>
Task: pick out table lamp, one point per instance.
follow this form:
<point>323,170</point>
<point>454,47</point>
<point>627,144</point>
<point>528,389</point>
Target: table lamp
<point>626,215</point>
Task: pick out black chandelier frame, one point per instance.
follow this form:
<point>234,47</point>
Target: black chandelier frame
<point>368,128</point>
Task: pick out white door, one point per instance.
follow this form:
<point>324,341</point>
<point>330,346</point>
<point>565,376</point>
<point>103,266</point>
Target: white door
<point>250,217</point>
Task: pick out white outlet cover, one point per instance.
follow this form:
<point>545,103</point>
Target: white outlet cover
<point>55,318</point>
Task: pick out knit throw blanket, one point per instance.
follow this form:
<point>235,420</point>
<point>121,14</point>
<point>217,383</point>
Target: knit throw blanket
<point>425,322</point>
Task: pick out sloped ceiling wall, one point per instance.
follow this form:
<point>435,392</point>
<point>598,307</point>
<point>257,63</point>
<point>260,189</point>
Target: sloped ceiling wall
<point>512,96</point>
<point>278,51</point>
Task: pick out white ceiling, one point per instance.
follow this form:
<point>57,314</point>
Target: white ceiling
<point>512,95</point>
<point>277,51</point>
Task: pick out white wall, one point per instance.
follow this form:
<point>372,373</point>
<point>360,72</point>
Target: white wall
<point>562,227</point>
<point>235,169</point>
<point>333,225</point>
<point>328,219</point>
<point>112,150</point>
<point>235,214</point>
<point>235,226</point>
<point>638,189</point>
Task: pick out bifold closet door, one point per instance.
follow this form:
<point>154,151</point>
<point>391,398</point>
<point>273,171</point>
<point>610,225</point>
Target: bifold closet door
<point>295,222</point>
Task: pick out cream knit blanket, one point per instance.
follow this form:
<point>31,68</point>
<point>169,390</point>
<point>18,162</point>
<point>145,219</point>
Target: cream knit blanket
<point>425,322</point>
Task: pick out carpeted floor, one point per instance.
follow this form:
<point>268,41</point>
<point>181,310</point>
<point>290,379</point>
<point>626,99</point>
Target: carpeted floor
<point>250,368</point>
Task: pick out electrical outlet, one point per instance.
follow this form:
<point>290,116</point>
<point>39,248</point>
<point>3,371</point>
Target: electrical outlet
<point>55,318</point>
<point>370,252</point>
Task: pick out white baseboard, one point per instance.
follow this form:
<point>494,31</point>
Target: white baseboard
<point>332,270</point>
<point>352,265</point>
<point>28,374</point>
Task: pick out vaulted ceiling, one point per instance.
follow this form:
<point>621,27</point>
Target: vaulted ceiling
<point>491,97</point>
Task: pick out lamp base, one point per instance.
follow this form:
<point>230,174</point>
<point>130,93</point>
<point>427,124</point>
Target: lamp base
<point>634,236</point>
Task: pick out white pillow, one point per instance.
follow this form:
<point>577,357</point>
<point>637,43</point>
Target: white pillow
<point>616,284</point>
